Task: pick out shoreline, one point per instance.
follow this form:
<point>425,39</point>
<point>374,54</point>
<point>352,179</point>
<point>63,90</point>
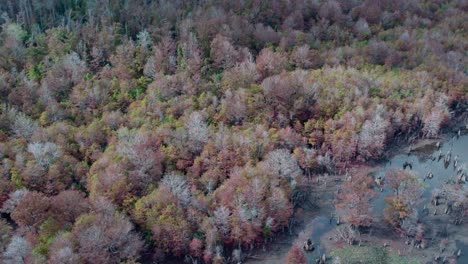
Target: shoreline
<point>280,249</point>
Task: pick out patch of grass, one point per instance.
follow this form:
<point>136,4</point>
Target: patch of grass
<point>374,255</point>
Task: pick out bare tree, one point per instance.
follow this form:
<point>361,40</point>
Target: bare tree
<point>282,164</point>
<point>14,199</point>
<point>177,185</point>
<point>373,136</point>
<point>197,130</point>
<point>45,154</point>
<point>17,251</point>
<point>221,217</point>
<point>103,238</point>
<point>23,126</point>
<point>436,117</point>
<point>346,233</point>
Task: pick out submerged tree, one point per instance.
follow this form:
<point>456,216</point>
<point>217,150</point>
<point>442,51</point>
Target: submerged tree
<point>353,200</point>
<point>407,195</point>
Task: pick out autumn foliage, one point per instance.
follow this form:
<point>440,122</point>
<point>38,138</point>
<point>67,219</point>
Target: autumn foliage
<point>296,256</point>
<point>354,200</point>
<point>151,130</point>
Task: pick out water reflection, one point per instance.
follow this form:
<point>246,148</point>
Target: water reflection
<point>321,225</point>
<point>434,174</point>
<point>425,162</point>
<point>438,169</point>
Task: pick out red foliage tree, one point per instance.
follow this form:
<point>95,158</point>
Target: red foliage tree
<point>32,210</point>
<point>354,200</point>
<point>296,256</point>
<point>270,63</point>
<point>68,205</point>
<point>196,248</point>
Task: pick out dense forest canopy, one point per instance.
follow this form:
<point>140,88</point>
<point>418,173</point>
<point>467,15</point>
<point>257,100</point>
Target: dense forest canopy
<point>153,130</point>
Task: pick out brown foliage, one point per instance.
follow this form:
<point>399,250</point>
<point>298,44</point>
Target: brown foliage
<point>354,199</point>
<point>32,210</point>
<point>68,205</point>
<point>270,62</point>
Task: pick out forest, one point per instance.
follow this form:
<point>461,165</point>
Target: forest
<point>177,131</point>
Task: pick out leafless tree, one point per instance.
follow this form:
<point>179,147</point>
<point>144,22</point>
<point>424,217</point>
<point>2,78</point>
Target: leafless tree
<point>17,251</point>
<point>177,185</point>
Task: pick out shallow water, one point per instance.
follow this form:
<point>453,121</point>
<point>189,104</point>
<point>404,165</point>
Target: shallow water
<point>423,164</point>
<point>464,247</point>
<point>320,224</point>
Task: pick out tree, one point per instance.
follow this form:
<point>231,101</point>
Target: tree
<point>141,148</point>
<point>164,59</point>
<point>34,176</point>
<point>32,210</point>
<point>282,164</point>
<point>307,159</point>
<point>144,39</point>
<point>280,209</point>
<point>68,205</point>
<point>252,207</point>
<point>437,116</point>
<point>373,136</point>
<point>343,138</point>
<point>178,186</point>
<point>91,94</point>
<point>129,168</point>
<point>61,77</point>
<point>109,180</point>
<point>106,237</point>
<point>332,11</point>
<point>5,235</point>
<point>161,213</point>
<point>234,103</point>
<point>279,89</point>
<point>221,218</point>
<point>296,255</point>
<point>362,28</point>
<point>270,63</point>
<point>240,76</point>
<point>197,130</point>
<point>45,154</point>
<point>17,251</point>
<point>378,52</point>
<point>196,248</point>
<point>223,53</point>
<point>407,194</point>
<point>265,34</point>
<point>61,250</point>
<point>14,198</point>
<point>305,58</point>
<point>23,126</point>
<point>353,200</point>
<point>189,55</point>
